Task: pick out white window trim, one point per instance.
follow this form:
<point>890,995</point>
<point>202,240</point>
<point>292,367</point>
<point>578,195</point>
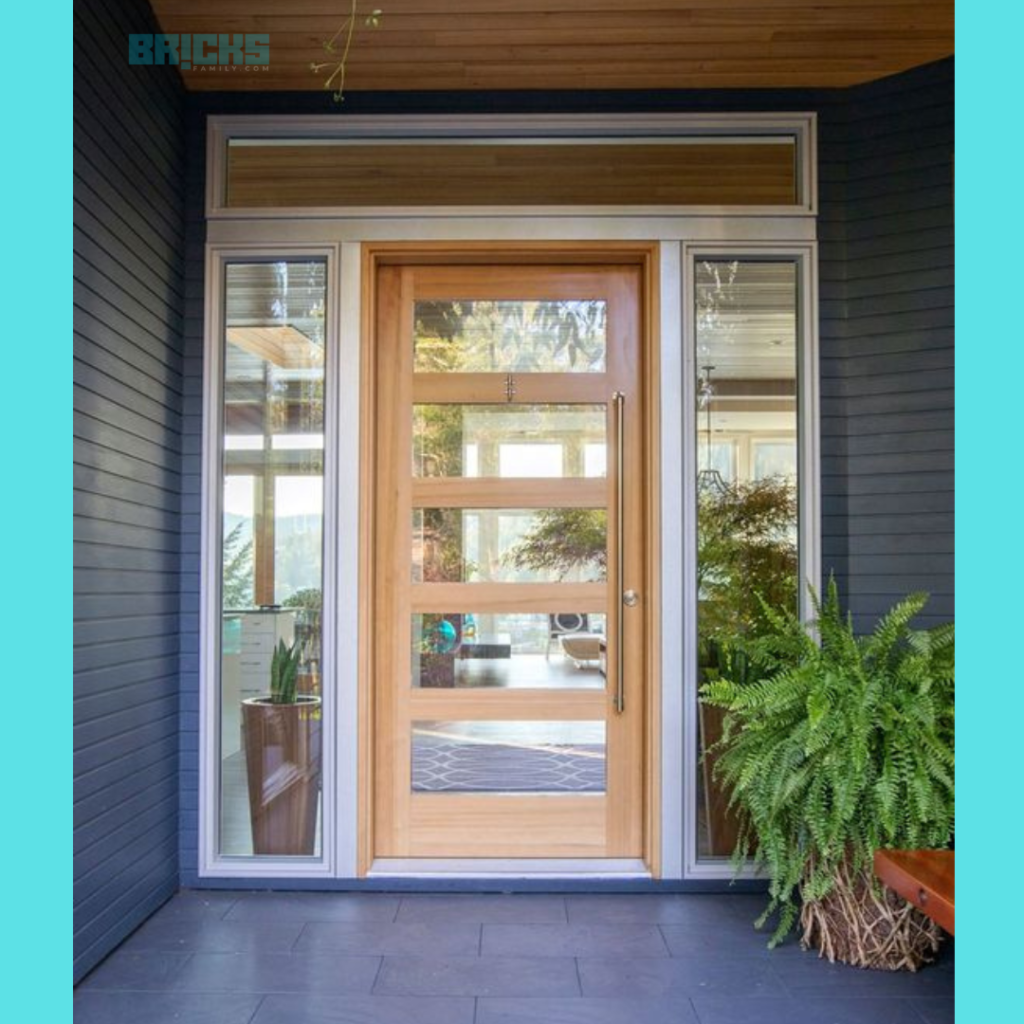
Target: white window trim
<point>341,553</point>
<point>338,235</point>
<point>469,129</point>
<point>809,496</point>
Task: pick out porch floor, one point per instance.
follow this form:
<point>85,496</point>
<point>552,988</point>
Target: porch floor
<point>379,958</point>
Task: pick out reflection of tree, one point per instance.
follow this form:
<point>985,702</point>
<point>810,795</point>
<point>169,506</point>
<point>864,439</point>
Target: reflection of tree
<point>443,558</point>
<point>237,580</point>
<point>297,555</point>
<point>307,603</point>
<point>493,336</point>
<point>563,540</point>
<point>746,548</point>
<point>438,440</point>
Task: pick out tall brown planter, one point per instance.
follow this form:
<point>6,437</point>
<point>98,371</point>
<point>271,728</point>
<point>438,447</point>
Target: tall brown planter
<point>283,760</point>
<point>723,823</point>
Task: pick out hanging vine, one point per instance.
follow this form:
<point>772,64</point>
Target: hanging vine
<point>338,61</point>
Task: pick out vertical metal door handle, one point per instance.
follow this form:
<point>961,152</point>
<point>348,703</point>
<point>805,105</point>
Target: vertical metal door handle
<point>618,403</point>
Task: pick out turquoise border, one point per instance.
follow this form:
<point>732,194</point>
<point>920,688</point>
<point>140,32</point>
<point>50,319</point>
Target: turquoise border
<point>35,769</point>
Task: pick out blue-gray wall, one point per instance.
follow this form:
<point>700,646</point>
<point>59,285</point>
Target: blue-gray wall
<point>129,300</point>
<point>886,317</point>
<point>889,468</point>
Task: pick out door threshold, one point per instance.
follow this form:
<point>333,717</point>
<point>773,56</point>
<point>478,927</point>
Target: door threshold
<point>519,867</point>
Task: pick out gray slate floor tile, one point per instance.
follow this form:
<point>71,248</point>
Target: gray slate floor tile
<point>377,958</point>
<point>198,903</point>
<point>484,909</point>
<point>211,936</point>
<point>412,938</point>
<point>746,906</point>
<point>124,969</point>
<point>935,1010</point>
<point>585,1011</point>
<point>711,1010</point>
<point>163,1008</point>
<point>314,906</point>
<point>478,976</point>
<point>278,1009</point>
<point>572,940</point>
<point>277,972</point>
<point>727,937</point>
<point>651,976</point>
<point>808,975</point>
<point>708,911</point>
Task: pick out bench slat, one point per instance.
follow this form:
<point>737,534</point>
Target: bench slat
<point>924,877</point>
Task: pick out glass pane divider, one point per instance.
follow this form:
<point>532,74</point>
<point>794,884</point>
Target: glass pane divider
<point>533,705</point>
<point>508,597</point>
<point>517,492</point>
<point>490,388</point>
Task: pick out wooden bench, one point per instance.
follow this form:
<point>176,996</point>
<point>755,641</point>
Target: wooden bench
<point>924,877</point>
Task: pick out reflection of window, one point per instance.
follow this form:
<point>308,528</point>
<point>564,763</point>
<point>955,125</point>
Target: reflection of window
<point>774,458</point>
<point>239,513</point>
<point>296,442</point>
<point>298,514</point>
<point>519,460</point>
<point>509,441</point>
<point>595,459</point>
<point>243,442</point>
<point>723,458</point>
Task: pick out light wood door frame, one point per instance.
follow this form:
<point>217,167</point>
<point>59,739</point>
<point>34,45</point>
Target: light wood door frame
<point>638,829</point>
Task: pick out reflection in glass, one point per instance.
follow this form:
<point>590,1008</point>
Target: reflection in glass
<point>514,650</point>
<point>492,545</point>
<point>271,582</point>
<point>746,348</point>
<point>508,757</point>
<point>775,458</point>
<point>509,440</point>
<point>722,458</point>
<point>487,336</point>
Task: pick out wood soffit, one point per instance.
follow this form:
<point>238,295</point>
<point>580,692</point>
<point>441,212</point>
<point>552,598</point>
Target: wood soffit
<point>423,45</point>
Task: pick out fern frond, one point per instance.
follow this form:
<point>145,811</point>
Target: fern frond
<point>832,750</point>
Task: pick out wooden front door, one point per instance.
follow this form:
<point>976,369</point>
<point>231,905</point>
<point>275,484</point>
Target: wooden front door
<point>507,675</point>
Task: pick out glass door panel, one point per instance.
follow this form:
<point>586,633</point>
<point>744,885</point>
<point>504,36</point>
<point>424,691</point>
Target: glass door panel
<point>508,757</point>
<point>501,545</point>
<point>487,336</point>
<point>746,349</point>
<point>509,441</point>
<point>272,355</point>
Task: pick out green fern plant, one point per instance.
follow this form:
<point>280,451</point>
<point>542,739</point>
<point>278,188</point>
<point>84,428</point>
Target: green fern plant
<point>284,672</point>
<point>842,744</point>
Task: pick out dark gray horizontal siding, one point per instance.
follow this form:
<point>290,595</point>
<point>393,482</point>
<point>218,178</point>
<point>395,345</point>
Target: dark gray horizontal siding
<point>899,381</point>
<point>191,488</point>
<point>127,422</point>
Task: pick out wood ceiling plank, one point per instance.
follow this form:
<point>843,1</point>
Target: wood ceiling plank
<point>549,44</point>
<point>301,48</point>
<point>700,24</point>
<point>339,8</point>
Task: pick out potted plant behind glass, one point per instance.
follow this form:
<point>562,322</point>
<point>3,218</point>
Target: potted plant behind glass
<point>746,555</point>
<point>282,736</point>
<point>839,748</point>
